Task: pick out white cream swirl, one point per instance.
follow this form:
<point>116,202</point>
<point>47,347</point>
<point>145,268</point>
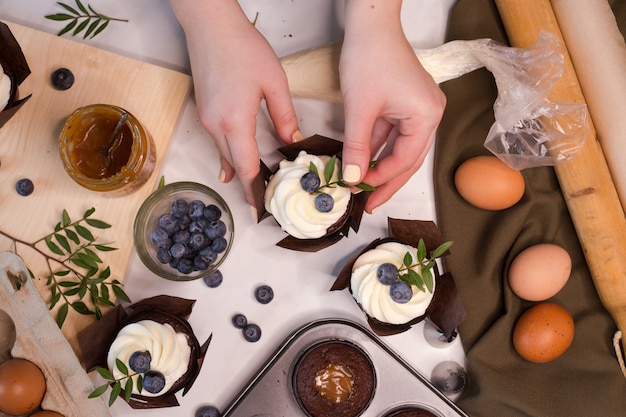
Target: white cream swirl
<point>294,208</point>
<point>5,89</point>
<point>169,351</point>
<point>374,297</point>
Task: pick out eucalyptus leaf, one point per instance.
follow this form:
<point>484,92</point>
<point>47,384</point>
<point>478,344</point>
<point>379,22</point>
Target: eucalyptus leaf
<point>98,391</point>
<point>115,392</point>
<point>105,373</point>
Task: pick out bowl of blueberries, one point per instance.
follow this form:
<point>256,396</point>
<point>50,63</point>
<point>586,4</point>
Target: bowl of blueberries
<point>183,231</point>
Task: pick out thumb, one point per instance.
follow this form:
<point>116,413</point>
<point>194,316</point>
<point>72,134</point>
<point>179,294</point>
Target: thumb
<point>356,152</point>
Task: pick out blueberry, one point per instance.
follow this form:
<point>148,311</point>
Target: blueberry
<point>185,266</point>
<point>401,292</point>
<point>198,225</point>
<point>198,241</point>
<point>252,332</point>
<point>208,255</point>
<point>219,245</point>
<point>207,411</point>
<point>214,279</point>
<point>196,209</point>
<point>24,187</point>
<point>240,321</point>
<point>324,203</point>
<point>160,238</point>
<point>387,273</point>
<point>264,294</point>
<point>169,223</point>
<point>139,361</point>
<point>164,256</point>
<point>310,182</point>
<point>153,382</point>
<point>179,208</point>
<point>215,229</point>
<point>212,212</point>
<point>62,79</point>
<point>200,263</point>
<point>178,250</point>
<point>182,236</point>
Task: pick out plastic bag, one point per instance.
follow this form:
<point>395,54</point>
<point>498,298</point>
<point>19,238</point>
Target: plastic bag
<point>531,130</point>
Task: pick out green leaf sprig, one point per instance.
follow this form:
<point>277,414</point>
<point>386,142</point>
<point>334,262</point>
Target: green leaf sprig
<point>82,19</point>
<point>424,279</point>
<point>75,270</point>
<point>329,170</point>
<point>116,384</point>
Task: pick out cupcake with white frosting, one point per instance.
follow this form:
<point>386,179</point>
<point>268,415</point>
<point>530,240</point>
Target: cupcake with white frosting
<point>307,196</point>
<point>13,71</point>
<point>396,281</point>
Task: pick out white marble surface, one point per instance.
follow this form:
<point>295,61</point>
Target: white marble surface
<point>300,280</point>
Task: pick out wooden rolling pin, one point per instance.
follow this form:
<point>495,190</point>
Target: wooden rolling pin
<point>585,181</point>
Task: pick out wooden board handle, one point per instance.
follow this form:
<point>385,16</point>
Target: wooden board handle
<point>586,182</point>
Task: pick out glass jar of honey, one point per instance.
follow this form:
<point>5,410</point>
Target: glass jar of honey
<point>104,148</point>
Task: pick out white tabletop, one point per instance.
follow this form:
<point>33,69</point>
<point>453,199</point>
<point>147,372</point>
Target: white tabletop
<point>300,280</point>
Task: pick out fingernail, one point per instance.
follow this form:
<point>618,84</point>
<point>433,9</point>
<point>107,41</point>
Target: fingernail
<point>254,213</point>
<point>351,173</point>
<point>222,176</point>
<point>374,210</point>
<point>297,136</point>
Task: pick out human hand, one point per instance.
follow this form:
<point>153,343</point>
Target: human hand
<point>391,103</point>
<point>234,68</point>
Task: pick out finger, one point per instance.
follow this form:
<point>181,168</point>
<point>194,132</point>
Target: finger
<point>227,172</point>
<point>283,115</point>
<point>356,144</point>
<point>246,163</point>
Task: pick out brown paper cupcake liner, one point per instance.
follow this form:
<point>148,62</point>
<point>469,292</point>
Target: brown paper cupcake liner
<point>15,66</point>
<point>446,310</point>
<point>96,340</point>
<point>314,145</point>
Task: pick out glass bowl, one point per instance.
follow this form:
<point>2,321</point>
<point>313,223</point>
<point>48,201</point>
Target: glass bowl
<point>160,202</point>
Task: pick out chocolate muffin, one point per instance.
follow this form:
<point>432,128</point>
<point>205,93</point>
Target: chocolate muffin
<point>411,412</point>
<point>334,379</point>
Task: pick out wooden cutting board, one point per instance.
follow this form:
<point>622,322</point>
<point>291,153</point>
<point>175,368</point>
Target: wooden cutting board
<point>28,147</point>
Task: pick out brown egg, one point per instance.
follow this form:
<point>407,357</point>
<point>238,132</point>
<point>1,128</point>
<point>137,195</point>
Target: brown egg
<point>543,332</point>
<point>46,413</point>
<point>22,386</point>
<point>540,271</point>
<point>488,183</point>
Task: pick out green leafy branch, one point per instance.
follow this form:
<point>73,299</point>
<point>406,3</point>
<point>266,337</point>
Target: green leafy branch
<point>82,19</point>
<point>116,384</point>
<point>423,279</point>
<point>329,171</point>
<point>80,271</point>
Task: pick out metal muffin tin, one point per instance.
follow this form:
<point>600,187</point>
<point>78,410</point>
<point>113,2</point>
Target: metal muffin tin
<point>270,392</point>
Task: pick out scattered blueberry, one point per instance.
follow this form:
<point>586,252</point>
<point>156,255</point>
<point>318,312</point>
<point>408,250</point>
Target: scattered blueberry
<point>180,208</point>
<point>62,79</point>
<point>219,245</point>
<point>24,187</point>
<point>196,209</point>
<point>310,182</point>
<point>169,223</point>
<point>387,273</point>
<point>139,361</point>
<point>240,321</point>
<point>324,203</point>
<point>212,213</point>
<point>264,294</point>
<point>214,279</point>
<point>401,292</point>
<point>153,382</point>
<point>207,411</point>
<point>252,332</point>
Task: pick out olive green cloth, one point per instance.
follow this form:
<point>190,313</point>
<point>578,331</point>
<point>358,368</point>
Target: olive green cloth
<point>586,380</point>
